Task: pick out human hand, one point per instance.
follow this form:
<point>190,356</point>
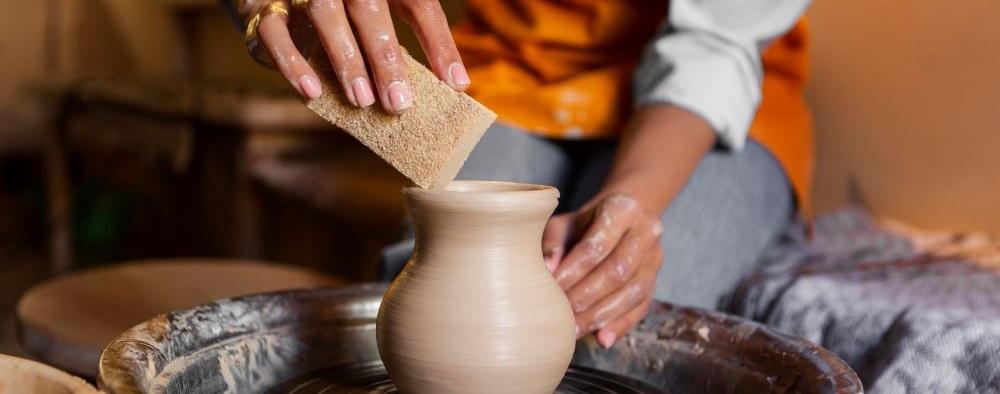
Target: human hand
<point>279,30</point>
<point>610,271</point>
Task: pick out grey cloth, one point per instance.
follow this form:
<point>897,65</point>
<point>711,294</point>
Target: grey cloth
<point>733,206</point>
<point>906,321</point>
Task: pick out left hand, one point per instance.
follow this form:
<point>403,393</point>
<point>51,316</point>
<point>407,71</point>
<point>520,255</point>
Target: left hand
<point>610,271</point>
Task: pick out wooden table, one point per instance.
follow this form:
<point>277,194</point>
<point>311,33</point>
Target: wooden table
<point>67,321</point>
<point>18,376</point>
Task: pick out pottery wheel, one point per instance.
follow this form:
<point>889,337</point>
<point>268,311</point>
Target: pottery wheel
<point>371,378</point>
<point>287,342</point>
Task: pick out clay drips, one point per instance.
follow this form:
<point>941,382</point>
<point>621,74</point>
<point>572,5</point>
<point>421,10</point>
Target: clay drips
<point>475,310</point>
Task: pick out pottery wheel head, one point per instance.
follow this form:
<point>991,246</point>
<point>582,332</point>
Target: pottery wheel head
<point>371,377</point>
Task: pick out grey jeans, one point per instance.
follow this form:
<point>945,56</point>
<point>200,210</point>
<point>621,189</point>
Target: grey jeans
<point>732,207</point>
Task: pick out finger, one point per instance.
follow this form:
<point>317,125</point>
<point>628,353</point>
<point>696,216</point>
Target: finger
<point>273,33</point>
<point>555,238</point>
<point>615,271</point>
<point>381,48</point>
<point>330,19</point>
<point>431,27</point>
<point>603,232</point>
<point>617,329</point>
<point>617,304</point>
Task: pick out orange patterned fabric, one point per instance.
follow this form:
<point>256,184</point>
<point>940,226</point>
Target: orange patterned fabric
<point>783,123</point>
<point>563,70</point>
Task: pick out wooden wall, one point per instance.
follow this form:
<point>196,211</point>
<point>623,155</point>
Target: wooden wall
<point>906,95</point>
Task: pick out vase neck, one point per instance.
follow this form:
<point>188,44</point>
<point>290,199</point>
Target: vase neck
<point>481,230</point>
<point>491,221</point>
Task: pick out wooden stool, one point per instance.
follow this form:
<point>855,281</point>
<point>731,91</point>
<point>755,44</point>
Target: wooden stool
<point>67,321</point>
<point>19,376</point>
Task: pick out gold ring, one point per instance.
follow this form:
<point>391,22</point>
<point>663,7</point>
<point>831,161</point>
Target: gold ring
<point>279,8</point>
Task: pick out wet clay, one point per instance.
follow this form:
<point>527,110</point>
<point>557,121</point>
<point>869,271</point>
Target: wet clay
<point>475,310</point>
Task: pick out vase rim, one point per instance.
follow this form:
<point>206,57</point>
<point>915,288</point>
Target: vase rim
<point>456,188</point>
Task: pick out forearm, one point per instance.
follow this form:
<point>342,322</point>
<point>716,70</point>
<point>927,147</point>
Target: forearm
<point>707,59</point>
<point>660,149</point>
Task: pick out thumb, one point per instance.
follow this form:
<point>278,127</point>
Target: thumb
<point>555,239</point>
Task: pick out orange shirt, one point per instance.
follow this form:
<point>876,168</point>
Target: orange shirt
<point>563,69</point>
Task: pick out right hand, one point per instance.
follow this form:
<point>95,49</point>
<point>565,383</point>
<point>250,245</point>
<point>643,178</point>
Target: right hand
<point>274,27</point>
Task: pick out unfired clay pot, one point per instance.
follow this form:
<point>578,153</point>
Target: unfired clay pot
<point>475,310</point>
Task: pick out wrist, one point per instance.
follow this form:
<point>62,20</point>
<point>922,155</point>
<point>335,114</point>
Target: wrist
<point>631,187</point>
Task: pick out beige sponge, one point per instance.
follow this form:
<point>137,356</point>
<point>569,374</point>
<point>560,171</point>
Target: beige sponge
<point>428,143</point>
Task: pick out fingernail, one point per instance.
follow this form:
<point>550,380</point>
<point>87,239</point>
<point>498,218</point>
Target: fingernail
<point>363,92</point>
<point>459,77</point>
<point>550,263</point>
<point>309,86</point>
<point>552,257</point>
<point>606,339</point>
<point>349,93</point>
<point>400,96</point>
<point>577,330</point>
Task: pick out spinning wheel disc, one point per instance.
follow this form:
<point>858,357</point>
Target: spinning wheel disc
<point>371,378</point>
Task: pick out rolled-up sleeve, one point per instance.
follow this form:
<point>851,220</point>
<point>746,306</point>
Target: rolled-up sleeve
<point>707,60</point>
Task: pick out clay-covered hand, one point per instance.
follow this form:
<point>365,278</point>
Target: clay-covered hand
<point>609,272</point>
<point>359,40</point>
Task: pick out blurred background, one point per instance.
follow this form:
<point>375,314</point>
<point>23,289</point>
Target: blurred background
<point>141,129</point>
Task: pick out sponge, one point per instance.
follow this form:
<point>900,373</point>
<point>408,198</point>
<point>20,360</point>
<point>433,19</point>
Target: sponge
<point>428,143</point>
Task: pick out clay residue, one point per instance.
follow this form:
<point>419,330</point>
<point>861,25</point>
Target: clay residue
<point>245,365</point>
<point>258,363</point>
<point>703,332</point>
<point>743,331</point>
<point>622,200</point>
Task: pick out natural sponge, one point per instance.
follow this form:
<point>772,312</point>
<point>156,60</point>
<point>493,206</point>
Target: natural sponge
<point>428,143</point>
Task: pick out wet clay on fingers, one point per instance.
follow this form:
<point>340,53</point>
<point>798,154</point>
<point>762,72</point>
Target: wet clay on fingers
<point>475,310</point>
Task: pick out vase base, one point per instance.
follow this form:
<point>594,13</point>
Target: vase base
<point>371,377</point>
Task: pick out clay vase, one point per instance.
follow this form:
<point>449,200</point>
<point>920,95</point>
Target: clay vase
<point>475,310</point>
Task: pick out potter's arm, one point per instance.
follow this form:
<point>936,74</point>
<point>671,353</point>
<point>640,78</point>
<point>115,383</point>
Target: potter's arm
<point>707,60</point>
<point>698,84</point>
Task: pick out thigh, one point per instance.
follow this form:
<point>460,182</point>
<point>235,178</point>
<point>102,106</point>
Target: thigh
<point>716,228</point>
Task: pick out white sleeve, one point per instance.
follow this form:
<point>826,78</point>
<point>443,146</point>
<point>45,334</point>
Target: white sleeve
<point>706,59</point>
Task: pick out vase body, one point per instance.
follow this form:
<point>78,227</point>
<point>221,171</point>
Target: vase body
<point>475,310</point>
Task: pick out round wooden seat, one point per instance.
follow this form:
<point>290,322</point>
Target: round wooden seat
<point>67,321</point>
<point>18,376</point>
